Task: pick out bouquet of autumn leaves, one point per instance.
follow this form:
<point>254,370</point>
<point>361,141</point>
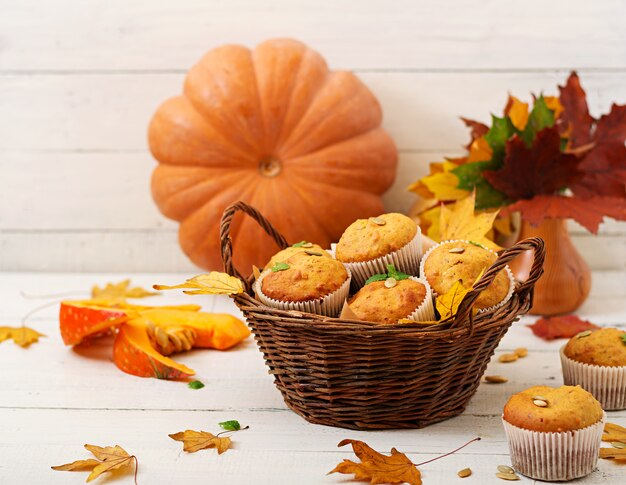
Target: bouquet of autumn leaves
<point>552,161</point>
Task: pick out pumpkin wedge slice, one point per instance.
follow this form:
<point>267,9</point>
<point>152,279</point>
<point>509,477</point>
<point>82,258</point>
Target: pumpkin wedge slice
<point>81,319</point>
<point>134,354</point>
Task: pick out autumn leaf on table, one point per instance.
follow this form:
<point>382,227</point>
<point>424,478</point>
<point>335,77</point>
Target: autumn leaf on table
<point>120,291</point>
<point>617,454</point>
<point>109,458</point>
<point>378,468</point>
<point>22,336</point>
<point>614,433</point>
<point>199,440</point>
<point>214,283</point>
<point>459,221</point>
<point>565,326</point>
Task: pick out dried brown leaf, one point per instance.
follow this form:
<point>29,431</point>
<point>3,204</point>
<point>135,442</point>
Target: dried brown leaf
<point>198,440</point>
<point>22,336</point>
<point>378,468</point>
<point>109,458</point>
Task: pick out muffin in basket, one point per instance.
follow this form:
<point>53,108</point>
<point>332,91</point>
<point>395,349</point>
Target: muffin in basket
<point>301,247</point>
<point>553,433</point>
<point>394,296</point>
<point>367,246</point>
<point>306,281</point>
<point>596,360</point>
<point>451,261</point>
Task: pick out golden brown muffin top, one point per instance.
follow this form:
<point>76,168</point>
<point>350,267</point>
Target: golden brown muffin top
<point>300,247</point>
<point>377,303</point>
<point>306,278</point>
<point>367,239</point>
<point>604,347</point>
<point>568,408</point>
<point>463,261</point>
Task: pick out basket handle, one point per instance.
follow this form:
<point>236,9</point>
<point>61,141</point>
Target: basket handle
<point>226,241</point>
<point>535,244</point>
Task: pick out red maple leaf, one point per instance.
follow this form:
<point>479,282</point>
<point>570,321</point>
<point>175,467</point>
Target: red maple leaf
<point>587,212</point>
<point>564,326</point>
<point>540,169</point>
<point>575,121</point>
<point>477,129</point>
<point>604,167</point>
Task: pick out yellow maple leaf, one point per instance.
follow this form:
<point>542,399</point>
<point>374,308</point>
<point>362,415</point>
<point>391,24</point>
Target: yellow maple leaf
<point>444,184</point>
<point>480,151</point>
<point>617,454</point>
<point>214,283</point>
<point>378,468</point>
<point>554,103</point>
<point>22,336</point>
<point>198,440</point>
<point>119,291</point>
<point>109,458</point>
<point>459,221</point>
<point>614,432</point>
<point>517,111</point>
<point>448,303</point>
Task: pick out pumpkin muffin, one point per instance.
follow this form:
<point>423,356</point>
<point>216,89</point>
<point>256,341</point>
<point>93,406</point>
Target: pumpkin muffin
<point>367,246</point>
<point>596,360</point>
<point>553,433</point>
<point>301,247</point>
<point>451,261</point>
<point>389,300</point>
<point>306,281</point>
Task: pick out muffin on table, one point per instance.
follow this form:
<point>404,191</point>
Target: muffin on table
<point>554,434</point>
<point>367,246</point>
<point>391,299</point>
<point>451,261</point>
<point>596,360</point>
<point>301,247</point>
<point>306,281</point>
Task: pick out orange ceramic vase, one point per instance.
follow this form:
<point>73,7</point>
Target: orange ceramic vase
<point>566,280</point>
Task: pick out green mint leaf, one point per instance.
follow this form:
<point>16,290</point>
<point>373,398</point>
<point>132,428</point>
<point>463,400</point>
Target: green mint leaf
<point>540,117</point>
<point>232,425</point>
<point>280,267</point>
<point>376,277</point>
<point>624,338</point>
<point>392,272</point>
<point>298,244</point>
<point>477,244</point>
<point>195,385</point>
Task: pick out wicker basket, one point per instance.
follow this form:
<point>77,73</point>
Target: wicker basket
<point>362,375</point>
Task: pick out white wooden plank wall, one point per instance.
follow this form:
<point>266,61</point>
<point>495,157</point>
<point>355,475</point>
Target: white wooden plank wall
<point>79,81</point>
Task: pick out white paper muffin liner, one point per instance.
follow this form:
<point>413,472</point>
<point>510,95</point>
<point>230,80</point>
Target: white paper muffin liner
<point>553,456</point>
<point>426,311</point>
<point>405,259</point>
<point>607,384</point>
<point>507,270</point>
<point>329,305</point>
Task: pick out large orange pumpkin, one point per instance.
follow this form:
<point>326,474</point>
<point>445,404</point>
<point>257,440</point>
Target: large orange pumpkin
<point>275,128</point>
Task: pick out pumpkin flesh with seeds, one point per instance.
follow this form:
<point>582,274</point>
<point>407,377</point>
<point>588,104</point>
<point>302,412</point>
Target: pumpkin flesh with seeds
<point>275,128</point>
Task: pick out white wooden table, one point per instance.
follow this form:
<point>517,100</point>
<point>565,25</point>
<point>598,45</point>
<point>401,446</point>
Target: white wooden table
<point>54,399</point>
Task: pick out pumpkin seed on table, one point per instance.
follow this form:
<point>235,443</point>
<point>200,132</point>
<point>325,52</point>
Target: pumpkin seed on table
<point>496,379</point>
<point>466,472</point>
<point>505,469</point>
<point>505,358</point>
<point>507,476</point>
<point>521,352</point>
